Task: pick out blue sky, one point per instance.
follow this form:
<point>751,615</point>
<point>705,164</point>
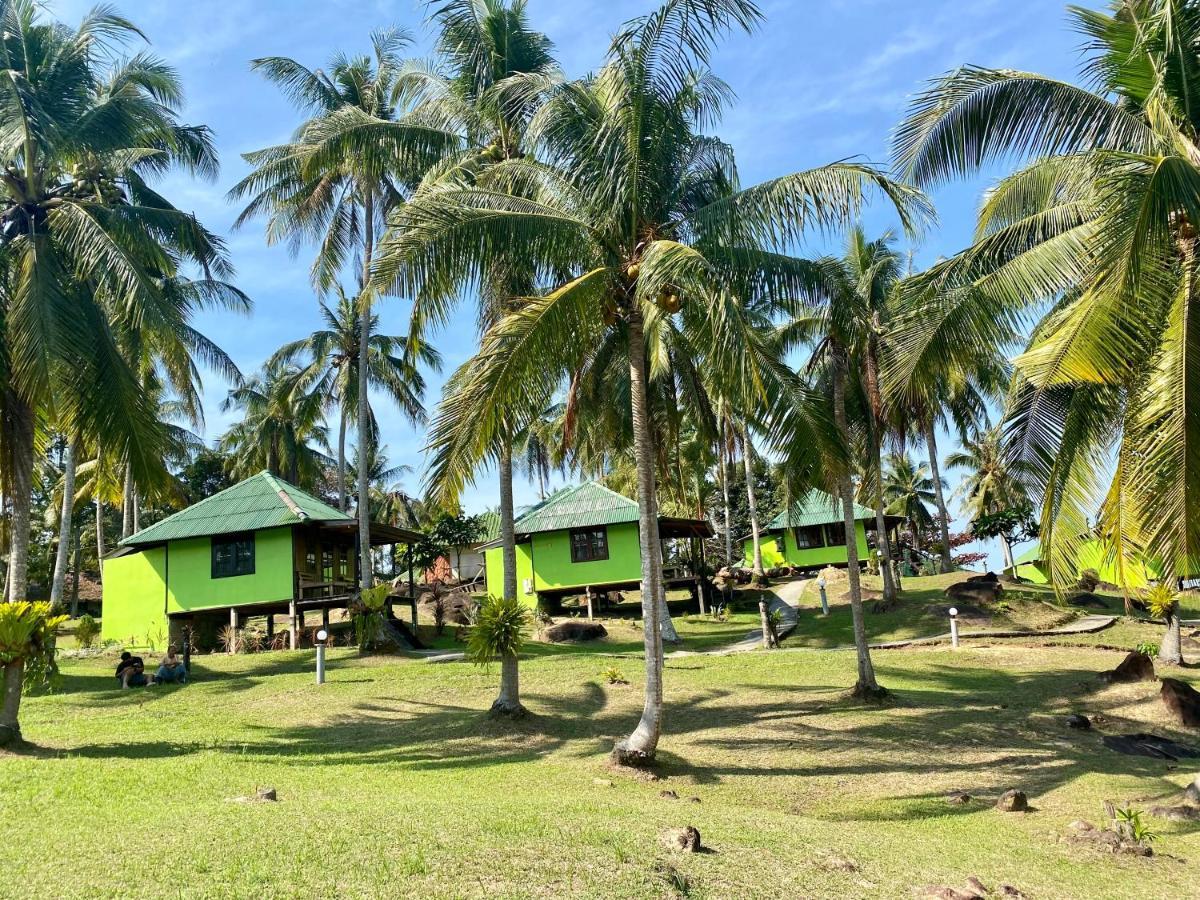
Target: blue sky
<point>821,81</point>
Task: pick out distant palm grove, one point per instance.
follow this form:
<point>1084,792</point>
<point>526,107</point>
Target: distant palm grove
<point>637,315</point>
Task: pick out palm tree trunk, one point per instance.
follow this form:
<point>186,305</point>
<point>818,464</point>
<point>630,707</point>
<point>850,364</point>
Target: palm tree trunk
<point>341,461</point>
<point>642,745</point>
<point>58,582</point>
<point>77,558</point>
<point>886,572</point>
<point>508,701</point>
<point>760,574</point>
<point>366,576</point>
<point>725,501</point>
<point>1170,651</point>
<point>935,470</point>
<point>10,725</point>
<point>20,427</point>
<point>866,686</point>
<point>137,510</point>
<point>1006,549</point>
<point>127,503</point>
<point>100,537</point>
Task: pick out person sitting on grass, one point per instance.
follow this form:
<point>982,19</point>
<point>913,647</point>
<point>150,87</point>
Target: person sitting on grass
<point>171,669</point>
<point>131,671</point>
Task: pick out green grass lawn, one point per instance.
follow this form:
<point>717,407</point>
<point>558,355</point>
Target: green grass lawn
<point>392,781</point>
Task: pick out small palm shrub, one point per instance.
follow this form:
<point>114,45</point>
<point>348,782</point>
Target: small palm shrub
<point>498,630</point>
<point>1147,648</point>
<point>1130,826</point>
<point>27,648</point>
<point>367,614</point>
<point>87,630</point>
<point>613,675</point>
<point>1162,601</point>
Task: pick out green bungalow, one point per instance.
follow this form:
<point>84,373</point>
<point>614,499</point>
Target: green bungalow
<point>583,539</point>
<point>811,534</point>
<point>260,547</point>
<point>1033,568</point>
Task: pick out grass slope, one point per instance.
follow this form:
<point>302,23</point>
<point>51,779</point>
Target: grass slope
<point>393,783</point>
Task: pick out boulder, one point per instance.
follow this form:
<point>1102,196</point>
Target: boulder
<point>575,630</point>
<point>1151,745</point>
<point>974,591</point>
<point>958,798</point>
<point>1134,667</point>
<point>667,795</point>
<point>686,839</point>
<point>1013,801</point>
<point>988,578</point>
<point>1181,813</point>
<point>1077,720</point>
<point>1191,793</point>
<point>1182,702</point>
<point>1086,600</point>
<point>266,794</point>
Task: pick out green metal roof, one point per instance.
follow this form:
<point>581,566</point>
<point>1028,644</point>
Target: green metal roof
<point>578,507</point>
<point>815,508</point>
<point>261,501</point>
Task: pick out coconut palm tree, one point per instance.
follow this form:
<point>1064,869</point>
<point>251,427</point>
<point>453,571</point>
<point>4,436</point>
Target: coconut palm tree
<point>85,241</point>
<point>346,167</point>
<point>908,490</point>
<point>632,218</point>
<point>992,483</point>
<point>1094,239</point>
<point>282,418</point>
<point>330,360</point>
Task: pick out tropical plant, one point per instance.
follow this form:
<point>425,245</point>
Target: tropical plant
<point>498,633</point>
<point>636,223</point>
<point>1012,525</point>
<point>334,183</point>
<point>87,630</point>
<point>907,489</point>
<point>1094,237</point>
<point>993,483</point>
<point>87,246</point>
<point>1162,601</point>
<point>281,421</point>
<point>27,633</point>
<point>329,359</point>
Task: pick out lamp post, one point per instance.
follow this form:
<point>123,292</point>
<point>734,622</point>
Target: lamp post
<point>824,597</point>
<point>322,637</point>
<point>954,627</point>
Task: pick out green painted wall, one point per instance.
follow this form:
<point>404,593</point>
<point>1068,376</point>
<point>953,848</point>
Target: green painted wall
<point>494,560</point>
<point>135,596</point>
<point>792,555</point>
<point>1091,556</point>
<point>190,581</point>
<point>545,561</point>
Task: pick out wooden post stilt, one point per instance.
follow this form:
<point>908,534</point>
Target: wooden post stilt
<point>325,618</point>
<point>270,625</point>
<point>589,603</point>
<point>293,633</point>
<point>700,594</point>
<point>233,628</point>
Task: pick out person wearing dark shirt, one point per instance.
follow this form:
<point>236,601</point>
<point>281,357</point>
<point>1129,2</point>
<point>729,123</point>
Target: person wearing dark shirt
<point>131,671</point>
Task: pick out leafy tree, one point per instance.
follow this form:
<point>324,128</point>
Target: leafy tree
<point>330,360</point>
<point>334,183</point>
<point>634,219</point>
<point>907,489</point>
<point>88,249</point>
<point>1094,238</point>
<point>498,633</point>
<point>27,656</point>
<point>1162,600</point>
<point>205,474</point>
<point>281,422</point>
<point>1012,525</point>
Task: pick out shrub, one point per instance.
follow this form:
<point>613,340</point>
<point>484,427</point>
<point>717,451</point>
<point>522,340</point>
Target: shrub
<point>498,630</point>
<point>613,675</point>
<point>1131,827</point>
<point>1089,580</point>
<point>1147,648</point>
<point>1162,601</point>
<point>87,630</point>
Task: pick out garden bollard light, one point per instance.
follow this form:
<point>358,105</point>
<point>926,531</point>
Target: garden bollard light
<point>322,637</point>
<point>954,626</point>
<point>824,598</point>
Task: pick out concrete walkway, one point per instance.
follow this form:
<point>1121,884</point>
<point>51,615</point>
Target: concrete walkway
<point>1086,625</point>
<point>785,599</point>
